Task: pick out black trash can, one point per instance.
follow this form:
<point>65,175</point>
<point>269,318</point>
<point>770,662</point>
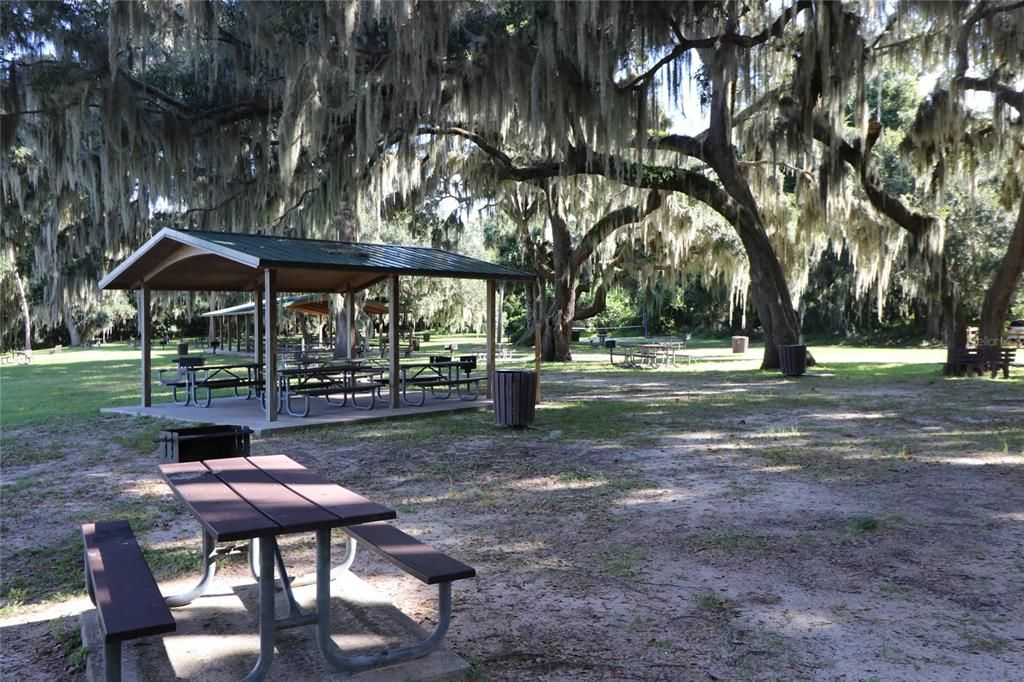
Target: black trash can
<point>793,359</point>
<point>204,442</point>
<point>575,335</point>
<point>182,349</point>
<point>514,393</point>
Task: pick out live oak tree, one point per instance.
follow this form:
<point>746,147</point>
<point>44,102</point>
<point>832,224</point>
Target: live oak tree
<point>270,116</point>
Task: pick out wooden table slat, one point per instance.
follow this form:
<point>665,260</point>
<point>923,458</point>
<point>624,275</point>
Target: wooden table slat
<point>292,512</point>
<point>351,508</point>
<point>221,511</point>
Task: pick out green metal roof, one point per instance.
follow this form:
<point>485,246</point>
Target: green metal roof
<point>390,258</point>
<point>227,261</point>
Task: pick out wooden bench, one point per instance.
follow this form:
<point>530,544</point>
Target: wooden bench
<point>421,561</point>
<point>962,361</point>
<point>128,602</point>
<point>996,358</point>
<point>969,361</point>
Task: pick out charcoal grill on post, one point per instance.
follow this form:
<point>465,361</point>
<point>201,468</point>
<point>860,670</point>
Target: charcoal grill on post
<point>204,442</point>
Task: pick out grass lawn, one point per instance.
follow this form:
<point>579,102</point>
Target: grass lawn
<point>708,520</point>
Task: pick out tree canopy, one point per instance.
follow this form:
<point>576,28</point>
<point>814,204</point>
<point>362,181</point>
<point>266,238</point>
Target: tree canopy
<point>275,116</point>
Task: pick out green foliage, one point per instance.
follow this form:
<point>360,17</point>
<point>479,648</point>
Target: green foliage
<point>622,310</point>
<point>978,232</point>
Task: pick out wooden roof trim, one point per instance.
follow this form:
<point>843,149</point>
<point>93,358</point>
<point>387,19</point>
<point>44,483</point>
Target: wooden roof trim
<point>184,253</point>
<point>199,247</point>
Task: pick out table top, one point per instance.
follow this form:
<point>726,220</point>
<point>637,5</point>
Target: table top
<point>244,497</point>
<point>239,365</point>
<point>324,370</point>
<point>424,365</point>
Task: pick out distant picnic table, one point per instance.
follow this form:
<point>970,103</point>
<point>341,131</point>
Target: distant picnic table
<point>17,357</point>
<point>649,354</point>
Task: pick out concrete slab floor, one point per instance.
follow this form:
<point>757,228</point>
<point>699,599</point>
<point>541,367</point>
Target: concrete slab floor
<point>218,639</point>
<point>248,413</point>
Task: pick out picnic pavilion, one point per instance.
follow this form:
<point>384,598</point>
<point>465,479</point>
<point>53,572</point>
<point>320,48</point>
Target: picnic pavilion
<point>193,260</point>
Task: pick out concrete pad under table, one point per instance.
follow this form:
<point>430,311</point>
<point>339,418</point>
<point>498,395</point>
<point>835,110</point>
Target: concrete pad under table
<point>248,413</point>
<point>218,639</point>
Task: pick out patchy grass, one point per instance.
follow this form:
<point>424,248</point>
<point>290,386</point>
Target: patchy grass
<point>68,635</point>
<point>736,542</point>
<point>621,562</point>
<point>858,525</point>
<point>712,602</point>
<point>792,488</point>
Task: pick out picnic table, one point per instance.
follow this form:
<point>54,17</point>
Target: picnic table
<point>346,378</point>
<point>262,498</point>
<point>192,376</point>
<point>439,374</point>
<point>650,354</point>
<point>20,357</point>
<point>242,498</point>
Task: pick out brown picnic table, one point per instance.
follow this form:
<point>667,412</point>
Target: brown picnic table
<point>258,499</point>
<point>261,498</point>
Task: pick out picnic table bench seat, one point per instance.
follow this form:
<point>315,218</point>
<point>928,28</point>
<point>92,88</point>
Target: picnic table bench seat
<point>250,384</point>
<point>416,558</point>
<point>424,563</point>
<point>969,361</point>
<point>470,392</point>
<point>998,358</point>
<point>962,361</point>
<point>128,602</point>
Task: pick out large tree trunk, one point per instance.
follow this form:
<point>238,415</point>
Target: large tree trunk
<point>346,224</point>
<point>23,302</point>
<point>73,331</point>
<point>563,311</point>
<point>768,282</point>
<point>996,306</point>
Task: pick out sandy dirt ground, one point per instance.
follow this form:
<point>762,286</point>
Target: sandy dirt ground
<point>689,526</point>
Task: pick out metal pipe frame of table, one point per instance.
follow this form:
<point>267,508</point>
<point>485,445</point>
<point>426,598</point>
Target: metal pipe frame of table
<point>256,499</point>
<point>431,371</point>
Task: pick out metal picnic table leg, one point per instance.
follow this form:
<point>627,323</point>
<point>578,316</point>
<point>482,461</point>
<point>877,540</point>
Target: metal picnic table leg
<point>210,554</point>
<point>309,578</point>
<point>330,650</point>
<point>268,627</point>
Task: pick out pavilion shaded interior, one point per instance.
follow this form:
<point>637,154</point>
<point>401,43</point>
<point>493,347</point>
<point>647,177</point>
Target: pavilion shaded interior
<point>191,260</point>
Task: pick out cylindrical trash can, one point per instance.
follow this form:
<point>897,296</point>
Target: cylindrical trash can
<point>793,359</point>
<point>739,344</point>
<point>575,334</point>
<point>514,393</point>
<point>182,349</point>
